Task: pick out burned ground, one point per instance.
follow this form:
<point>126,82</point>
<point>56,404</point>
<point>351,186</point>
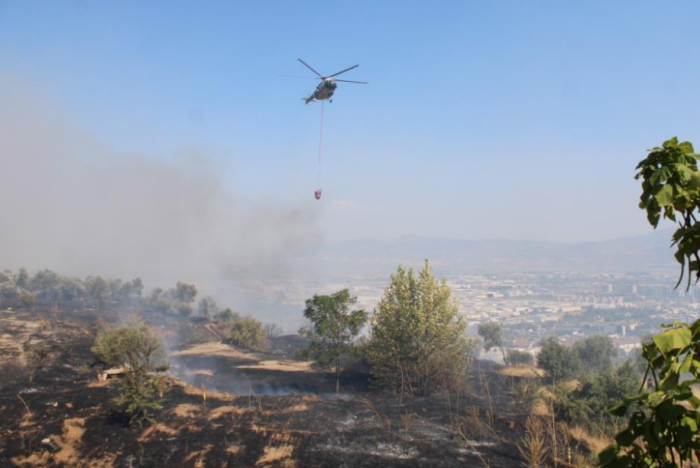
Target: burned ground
<point>65,417</point>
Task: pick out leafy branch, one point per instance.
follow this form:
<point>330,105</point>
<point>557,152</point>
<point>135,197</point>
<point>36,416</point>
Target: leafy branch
<point>663,422</point>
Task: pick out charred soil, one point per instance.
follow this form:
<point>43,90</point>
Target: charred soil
<point>65,417</point>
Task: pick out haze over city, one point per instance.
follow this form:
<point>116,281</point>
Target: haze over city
<point>374,234</point>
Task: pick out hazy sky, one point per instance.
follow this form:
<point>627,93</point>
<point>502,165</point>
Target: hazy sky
<point>519,119</point>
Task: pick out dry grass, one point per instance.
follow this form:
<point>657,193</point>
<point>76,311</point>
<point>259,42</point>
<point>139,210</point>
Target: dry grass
<point>280,455</point>
<point>68,445</point>
<point>283,366</point>
<point>186,410</point>
<point>571,385</point>
<point>218,349</point>
<point>524,371</point>
<point>595,444</point>
<point>532,446</point>
<point>190,390</point>
<point>158,428</point>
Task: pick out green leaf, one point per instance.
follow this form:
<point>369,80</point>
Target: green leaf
<point>608,455</point>
<point>665,195</point>
<point>625,438</point>
<point>673,142</point>
<point>618,409</point>
<point>690,422</point>
<point>686,147</point>
<point>672,340</point>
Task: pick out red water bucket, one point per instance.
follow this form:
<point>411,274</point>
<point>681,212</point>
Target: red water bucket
<point>317,194</point>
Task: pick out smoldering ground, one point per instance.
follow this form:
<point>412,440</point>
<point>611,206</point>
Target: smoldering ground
<point>71,204</point>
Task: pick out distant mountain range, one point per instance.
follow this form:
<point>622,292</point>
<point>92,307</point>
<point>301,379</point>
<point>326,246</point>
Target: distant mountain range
<point>646,253</point>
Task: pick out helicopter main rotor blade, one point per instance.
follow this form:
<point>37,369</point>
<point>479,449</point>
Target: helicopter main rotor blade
<point>341,72</point>
<point>350,81</point>
<point>309,67</point>
<point>298,76</point>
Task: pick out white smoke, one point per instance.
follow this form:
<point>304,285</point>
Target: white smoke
<point>72,205</point>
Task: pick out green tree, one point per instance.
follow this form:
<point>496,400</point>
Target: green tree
<point>418,340</point>
<point>185,293</point>
<point>226,315</point>
<point>46,285</point>
<point>595,352</point>
<point>71,289</point>
<point>160,301</point>
<point>247,332</point>
<point>663,423</point>
<point>515,357</point>
<point>558,361</point>
<point>490,333</point>
<point>207,308</point>
<point>26,299</point>
<point>44,281</point>
<point>98,291</point>
<point>586,404</point>
<point>141,353</point>
<point>22,280</point>
<point>334,329</point>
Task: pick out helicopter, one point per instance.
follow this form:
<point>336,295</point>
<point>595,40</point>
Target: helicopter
<point>327,86</point>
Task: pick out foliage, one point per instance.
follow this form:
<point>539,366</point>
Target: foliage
<point>334,328</point>
<point>245,332</point>
<point>515,357</point>
<point>273,330</point>
<point>595,352</point>
<point>185,293</point>
<point>663,427</point>
<point>22,280</point>
<point>207,308</point>
<point>663,423</point>
<point>586,404</point>
<point>532,446</point>
<point>226,315</point>
<point>98,291</point>
<point>490,333</point>
<point>558,361</point>
<point>27,299</point>
<point>418,341</point>
<point>174,301</point>
<point>140,395</point>
<point>671,185</point>
<point>135,347</point>
<point>131,344</point>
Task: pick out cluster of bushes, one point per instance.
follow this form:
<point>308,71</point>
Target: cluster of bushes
<point>417,342</point>
<point>591,355</point>
<point>586,404</point>
<point>516,357</point>
<point>585,381</point>
<point>142,355</point>
<point>51,289</point>
<point>178,300</point>
<point>490,334</point>
<point>245,332</point>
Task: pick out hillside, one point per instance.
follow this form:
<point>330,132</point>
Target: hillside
<point>648,253</point>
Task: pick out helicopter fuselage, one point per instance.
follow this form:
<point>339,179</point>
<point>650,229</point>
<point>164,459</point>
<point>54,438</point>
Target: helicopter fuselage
<point>324,90</point>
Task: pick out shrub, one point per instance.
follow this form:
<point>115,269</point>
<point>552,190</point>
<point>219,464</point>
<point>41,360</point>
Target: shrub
<point>515,357</point>
<point>26,299</point>
<point>245,332</point>
<point>334,329</point>
<point>586,404</point>
<point>134,346</point>
<point>418,341</point>
<point>558,361</point>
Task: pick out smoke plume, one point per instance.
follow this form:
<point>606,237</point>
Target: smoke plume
<point>69,203</point>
